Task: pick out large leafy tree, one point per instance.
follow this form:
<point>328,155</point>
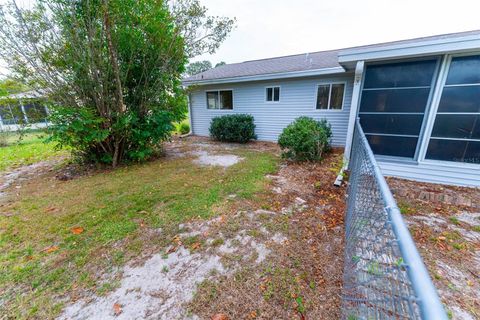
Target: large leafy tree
<point>111,67</point>
<point>197,67</point>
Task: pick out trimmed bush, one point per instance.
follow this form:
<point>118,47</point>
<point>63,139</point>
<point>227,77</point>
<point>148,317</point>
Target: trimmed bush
<point>233,128</point>
<point>305,139</point>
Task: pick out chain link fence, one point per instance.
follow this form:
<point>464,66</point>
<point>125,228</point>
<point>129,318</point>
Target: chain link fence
<point>384,276</point>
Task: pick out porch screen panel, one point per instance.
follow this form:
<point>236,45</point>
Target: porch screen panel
<point>393,104</point>
<point>456,131</point>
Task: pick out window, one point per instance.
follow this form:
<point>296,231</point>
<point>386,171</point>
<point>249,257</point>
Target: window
<point>35,113</point>
<point>220,100</point>
<point>11,114</point>
<point>393,104</point>
<point>330,96</point>
<point>273,94</point>
<point>456,131</point>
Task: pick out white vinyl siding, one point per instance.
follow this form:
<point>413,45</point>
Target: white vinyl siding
<point>297,98</point>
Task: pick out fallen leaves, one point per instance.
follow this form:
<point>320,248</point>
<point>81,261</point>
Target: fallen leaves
<point>220,316</point>
<point>172,249</point>
<point>117,309</point>
<point>50,249</point>
<point>177,243</point>
<point>195,246</point>
<point>77,230</point>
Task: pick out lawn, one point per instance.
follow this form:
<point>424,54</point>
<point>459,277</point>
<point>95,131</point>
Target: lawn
<point>60,238</point>
<point>30,149</point>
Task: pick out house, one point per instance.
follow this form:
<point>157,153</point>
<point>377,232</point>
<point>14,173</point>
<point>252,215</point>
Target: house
<point>23,109</point>
<point>418,101</point>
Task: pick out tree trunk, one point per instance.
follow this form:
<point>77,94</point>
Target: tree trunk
<point>116,153</point>
<point>113,58</point>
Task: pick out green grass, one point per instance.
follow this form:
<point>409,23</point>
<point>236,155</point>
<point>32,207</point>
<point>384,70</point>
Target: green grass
<point>29,150</point>
<point>114,208</point>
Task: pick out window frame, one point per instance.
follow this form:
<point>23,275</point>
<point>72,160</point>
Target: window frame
<point>273,93</point>
<point>437,95</point>
<point>218,99</point>
<point>329,83</point>
<point>438,73</point>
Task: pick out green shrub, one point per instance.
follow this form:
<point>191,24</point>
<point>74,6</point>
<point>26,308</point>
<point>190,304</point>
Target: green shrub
<point>87,133</point>
<point>305,139</point>
<point>183,127</point>
<point>233,128</point>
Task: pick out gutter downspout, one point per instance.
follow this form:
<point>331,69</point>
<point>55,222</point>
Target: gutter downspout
<point>357,86</point>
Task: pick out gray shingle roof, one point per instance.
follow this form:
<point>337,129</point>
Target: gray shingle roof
<point>300,62</point>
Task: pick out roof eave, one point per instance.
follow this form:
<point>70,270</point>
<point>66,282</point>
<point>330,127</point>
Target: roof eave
<point>412,49</point>
<point>270,76</point>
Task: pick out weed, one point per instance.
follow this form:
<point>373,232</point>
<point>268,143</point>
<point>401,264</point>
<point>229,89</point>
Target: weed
<point>218,242</point>
<point>300,305</point>
<point>449,314</point>
<point>254,233</point>
<point>374,268</point>
<point>451,286</point>
<point>399,262</point>
<point>405,208</point>
<point>206,291</point>
<point>454,220</point>
<point>107,287</point>
<point>189,241</point>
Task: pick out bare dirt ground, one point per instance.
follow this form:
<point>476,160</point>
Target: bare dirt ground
<point>445,223</point>
<point>278,256</point>
<point>16,176</point>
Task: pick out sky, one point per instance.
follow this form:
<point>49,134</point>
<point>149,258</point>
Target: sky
<point>270,28</point>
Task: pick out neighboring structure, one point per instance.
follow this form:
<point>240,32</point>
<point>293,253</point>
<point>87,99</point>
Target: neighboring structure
<point>22,109</point>
<point>418,101</point>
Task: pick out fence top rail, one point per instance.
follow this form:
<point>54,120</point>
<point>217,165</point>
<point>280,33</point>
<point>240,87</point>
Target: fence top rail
<point>429,303</point>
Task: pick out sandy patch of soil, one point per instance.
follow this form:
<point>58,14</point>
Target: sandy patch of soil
<point>155,290</point>
<point>223,160</point>
<point>206,153</point>
<point>448,237</point>
<point>14,178</point>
